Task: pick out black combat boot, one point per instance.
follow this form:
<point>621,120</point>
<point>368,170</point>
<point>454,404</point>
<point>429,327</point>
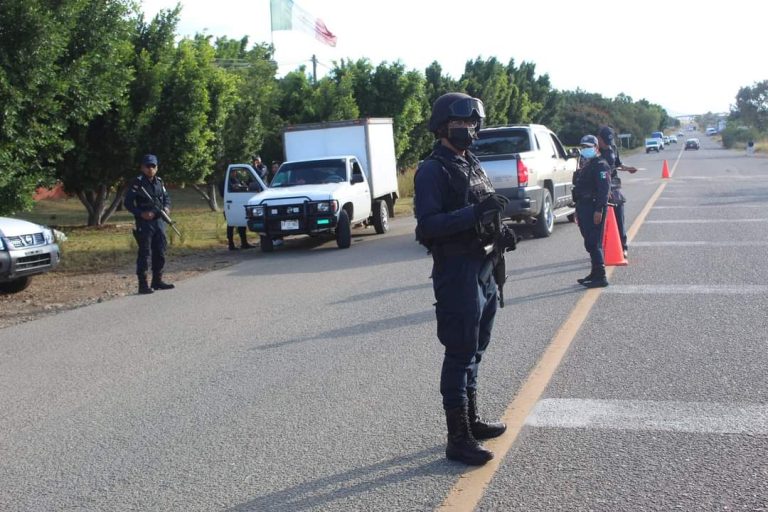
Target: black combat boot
<point>144,288</point>
<point>481,429</point>
<point>588,278</point>
<point>462,446</point>
<point>246,245</point>
<point>158,284</point>
<point>599,280</point>
<point>232,246</point>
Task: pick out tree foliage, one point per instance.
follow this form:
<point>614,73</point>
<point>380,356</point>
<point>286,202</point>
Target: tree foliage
<point>87,87</point>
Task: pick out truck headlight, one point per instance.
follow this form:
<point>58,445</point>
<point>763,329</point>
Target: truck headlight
<point>327,206</point>
<point>257,211</point>
<point>48,236</point>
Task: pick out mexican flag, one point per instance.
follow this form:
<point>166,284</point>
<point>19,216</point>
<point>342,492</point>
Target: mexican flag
<point>287,15</point>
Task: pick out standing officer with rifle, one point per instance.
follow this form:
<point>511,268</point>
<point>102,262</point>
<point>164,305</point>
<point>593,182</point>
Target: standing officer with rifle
<point>148,201</point>
<point>458,220</point>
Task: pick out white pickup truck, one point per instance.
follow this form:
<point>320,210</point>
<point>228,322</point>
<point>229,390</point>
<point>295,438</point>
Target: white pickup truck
<point>529,165</point>
<point>336,175</point>
<point>26,249</point>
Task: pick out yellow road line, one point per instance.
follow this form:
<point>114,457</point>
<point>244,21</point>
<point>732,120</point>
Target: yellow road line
<point>469,489</point>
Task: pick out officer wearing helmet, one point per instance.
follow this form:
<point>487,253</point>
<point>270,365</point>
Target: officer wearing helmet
<point>453,199</point>
<point>591,186</point>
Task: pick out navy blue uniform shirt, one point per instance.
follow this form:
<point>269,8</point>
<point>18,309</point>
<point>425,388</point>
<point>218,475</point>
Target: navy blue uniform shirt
<point>135,200</point>
<point>439,212</point>
<point>593,182</point>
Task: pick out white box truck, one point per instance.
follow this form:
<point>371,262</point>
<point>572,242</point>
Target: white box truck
<point>336,175</point>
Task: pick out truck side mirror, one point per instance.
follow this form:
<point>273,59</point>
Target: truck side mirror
<point>357,178</point>
<point>574,153</point>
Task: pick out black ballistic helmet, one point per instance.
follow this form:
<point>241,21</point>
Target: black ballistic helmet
<point>455,105</point>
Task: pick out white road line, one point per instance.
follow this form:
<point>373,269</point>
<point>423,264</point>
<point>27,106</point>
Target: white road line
<point>688,289</point>
<point>694,417</point>
<point>702,221</point>
<point>688,207</point>
<point>707,197</point>
<point>700,243</point>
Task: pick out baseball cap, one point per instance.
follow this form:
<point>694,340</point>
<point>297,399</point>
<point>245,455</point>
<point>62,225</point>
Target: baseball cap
<point>588,140</point>
<point>149,160</point>
<point>607,134</point>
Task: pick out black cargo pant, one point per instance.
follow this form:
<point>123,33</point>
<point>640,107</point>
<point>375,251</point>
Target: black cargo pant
<point>466,306</point>
<point>592,233</point>
<point>150,235</point>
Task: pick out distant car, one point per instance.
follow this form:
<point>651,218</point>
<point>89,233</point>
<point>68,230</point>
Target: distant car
<point>673,138</point>
<point>711,131</point>
<point>692,144</point>
<point>26,249</point>
<point>666,140</point>
<point>680,134</point>
<point>652,145</point>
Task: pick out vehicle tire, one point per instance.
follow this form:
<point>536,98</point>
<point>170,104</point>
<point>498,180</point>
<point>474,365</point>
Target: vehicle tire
<point>380,216</point>
<point>16,285</point>
<point>343,231</point>
<point>545,221</point>
<point>266,243</point>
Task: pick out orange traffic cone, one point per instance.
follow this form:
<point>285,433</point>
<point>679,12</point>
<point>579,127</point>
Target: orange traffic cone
<point>665,170</point>
<point>614,252</point>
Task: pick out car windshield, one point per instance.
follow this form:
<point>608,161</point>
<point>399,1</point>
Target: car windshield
<point>501,142</point>
<point>310,173</point>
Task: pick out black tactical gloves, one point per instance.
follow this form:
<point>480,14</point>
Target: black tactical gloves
<point>495,203</point>
<point>508,240</point>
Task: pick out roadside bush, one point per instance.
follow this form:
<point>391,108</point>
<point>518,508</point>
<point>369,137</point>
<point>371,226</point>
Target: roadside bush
<point>737,136</point>
<point>405,182</point>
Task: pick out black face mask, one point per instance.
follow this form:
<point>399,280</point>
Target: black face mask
<point>461,138</point>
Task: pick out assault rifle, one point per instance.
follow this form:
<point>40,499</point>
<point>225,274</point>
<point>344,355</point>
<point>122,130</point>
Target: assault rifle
<point>161,210</point>
<point>504,239</point>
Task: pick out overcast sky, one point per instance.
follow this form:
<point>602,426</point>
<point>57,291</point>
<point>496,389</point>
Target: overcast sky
<point>690,57</point>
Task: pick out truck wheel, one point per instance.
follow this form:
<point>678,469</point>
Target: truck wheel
<point>545,221</point>
<point>16,285</point>
<point>266,243</point>
<point>380,216</point>
<point>343,231</point>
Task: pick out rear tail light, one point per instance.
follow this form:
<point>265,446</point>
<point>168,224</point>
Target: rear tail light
<point>522,174</point>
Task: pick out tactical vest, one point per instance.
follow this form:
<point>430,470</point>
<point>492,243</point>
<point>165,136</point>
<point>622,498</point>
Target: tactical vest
<point>469,185</point>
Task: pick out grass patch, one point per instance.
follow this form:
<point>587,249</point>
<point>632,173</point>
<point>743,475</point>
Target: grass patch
<point>93,249</point>
<point>112,246</point>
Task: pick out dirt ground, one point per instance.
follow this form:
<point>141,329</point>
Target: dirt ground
<point>56,291</point>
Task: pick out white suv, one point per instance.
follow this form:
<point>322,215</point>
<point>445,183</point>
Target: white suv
<point>26,249</point>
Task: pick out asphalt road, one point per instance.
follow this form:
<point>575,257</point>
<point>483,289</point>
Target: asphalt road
<point>307,379</point>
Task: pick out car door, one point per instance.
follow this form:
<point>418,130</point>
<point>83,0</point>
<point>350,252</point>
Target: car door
<point>241,183</point>
<point>563,172</point>
<point>361,192</point>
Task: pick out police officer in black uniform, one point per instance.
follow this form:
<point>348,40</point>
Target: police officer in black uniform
<point>453,197</point>
<point>610,154</point>
<point>591,186</point>
<point>150,228</point>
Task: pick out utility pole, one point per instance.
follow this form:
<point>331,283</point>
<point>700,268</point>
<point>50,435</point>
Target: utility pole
<point>314,69</point>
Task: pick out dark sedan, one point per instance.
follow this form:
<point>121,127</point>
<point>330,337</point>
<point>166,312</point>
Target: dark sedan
<point>692,144</point>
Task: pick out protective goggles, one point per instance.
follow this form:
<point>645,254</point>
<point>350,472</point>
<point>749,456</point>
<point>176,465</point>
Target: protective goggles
<point>466,107</point>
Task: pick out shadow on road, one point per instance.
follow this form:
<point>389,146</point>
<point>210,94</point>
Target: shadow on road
<point>323,492</point>
<point>363,328</point>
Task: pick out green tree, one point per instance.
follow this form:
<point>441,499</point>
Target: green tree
<point>488,81</point>
<point>106,150</point>
<point>751,107</point>
<point>60,65</point>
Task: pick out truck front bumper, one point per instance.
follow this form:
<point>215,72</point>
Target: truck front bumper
<point>286,225</point>
<point>16,263</point>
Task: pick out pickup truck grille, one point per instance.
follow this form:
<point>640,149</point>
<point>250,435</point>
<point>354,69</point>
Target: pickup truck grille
<point>19,242</point>
<point>33,262</point>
